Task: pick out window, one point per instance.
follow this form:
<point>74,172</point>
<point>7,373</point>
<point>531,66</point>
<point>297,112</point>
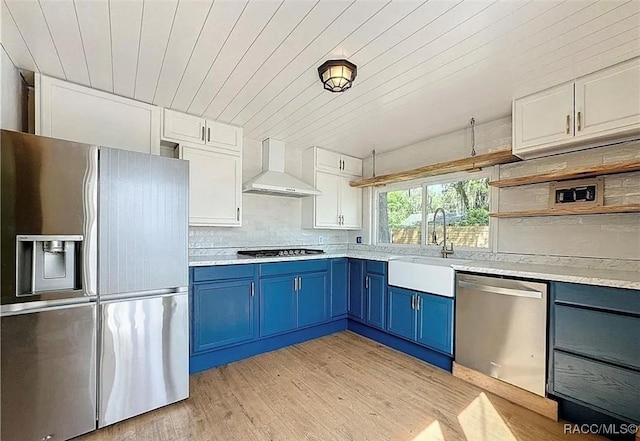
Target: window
<point>400,216</point>
<point>405,216</point>
<point>466,205</point>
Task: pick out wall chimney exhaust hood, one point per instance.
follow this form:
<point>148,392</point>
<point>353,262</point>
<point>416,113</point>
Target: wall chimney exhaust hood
<point>273,180</point>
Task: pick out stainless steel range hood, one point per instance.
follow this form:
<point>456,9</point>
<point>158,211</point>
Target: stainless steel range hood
<point>273,180</point>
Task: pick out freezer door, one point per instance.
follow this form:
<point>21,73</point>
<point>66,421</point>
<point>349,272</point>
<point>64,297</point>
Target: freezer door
<point>143,222</point>
<point>144,360</point>
<point>49,373</point>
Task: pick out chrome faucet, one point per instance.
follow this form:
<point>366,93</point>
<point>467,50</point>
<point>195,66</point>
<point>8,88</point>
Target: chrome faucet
<point>445,251</point>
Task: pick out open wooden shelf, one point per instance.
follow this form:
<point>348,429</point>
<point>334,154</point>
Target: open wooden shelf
<point>466,164</point>
<point>576,173</point>
<point>606,209</point>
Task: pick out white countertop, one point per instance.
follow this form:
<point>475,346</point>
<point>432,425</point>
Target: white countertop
<point>588,276</point>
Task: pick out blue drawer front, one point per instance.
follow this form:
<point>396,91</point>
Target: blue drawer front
<point>597,334</point>
<point>611,388</point>
<point>377,267</point>
<point>220,272</point>
<point>295,267</point>
<point>615,299</point>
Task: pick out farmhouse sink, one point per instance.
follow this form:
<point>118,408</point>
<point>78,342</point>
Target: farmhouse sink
<point>427,274</point>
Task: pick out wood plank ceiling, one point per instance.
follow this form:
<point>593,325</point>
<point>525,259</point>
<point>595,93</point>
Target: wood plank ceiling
<point>424,67</point>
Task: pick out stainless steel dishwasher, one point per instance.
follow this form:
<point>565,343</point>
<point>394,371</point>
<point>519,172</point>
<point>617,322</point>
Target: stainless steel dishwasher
<point>501,329</point>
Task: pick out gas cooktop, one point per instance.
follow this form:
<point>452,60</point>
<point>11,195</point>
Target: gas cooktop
<point>285,252</point>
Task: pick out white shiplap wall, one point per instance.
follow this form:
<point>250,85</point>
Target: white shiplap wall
<point>267,221</point>
<point>610,236</point>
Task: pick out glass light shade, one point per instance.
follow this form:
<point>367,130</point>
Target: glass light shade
<point>337,75</point>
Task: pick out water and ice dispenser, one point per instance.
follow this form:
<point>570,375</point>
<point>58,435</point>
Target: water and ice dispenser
<point>48,263</point>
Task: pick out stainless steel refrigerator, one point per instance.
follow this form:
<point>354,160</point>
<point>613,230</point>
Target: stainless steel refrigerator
<point>94,309</point>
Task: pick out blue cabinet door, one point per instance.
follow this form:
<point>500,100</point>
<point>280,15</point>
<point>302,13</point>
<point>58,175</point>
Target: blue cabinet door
<point>435,322</point>
<point>339,288</point>
<point>356,288</point>
<point>222,314</point>
<point>312,298</point>
<point>402,316</point>
<point>278,305</point>
<point>375,286</point>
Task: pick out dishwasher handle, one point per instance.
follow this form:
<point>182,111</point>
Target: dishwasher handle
<point>500,290</point>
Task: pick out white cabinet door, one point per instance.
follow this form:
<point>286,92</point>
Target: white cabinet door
<point>350,205</point>
<point>181,127</point>
<point>544,118</point>
<point>215,186</point>
<point>76,113</point>
<point>351,166</point>
<point>224,136</point>
<point>328,160</point>
<point>327,205</point>
<point>608,101</point>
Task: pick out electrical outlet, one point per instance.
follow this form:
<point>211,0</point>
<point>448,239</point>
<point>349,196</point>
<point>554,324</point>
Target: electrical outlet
<point>320,240</point>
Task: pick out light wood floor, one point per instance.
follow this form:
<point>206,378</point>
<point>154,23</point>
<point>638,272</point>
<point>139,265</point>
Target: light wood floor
<point>340,387</point>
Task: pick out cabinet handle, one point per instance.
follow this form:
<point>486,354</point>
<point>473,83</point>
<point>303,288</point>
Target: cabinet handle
<point>299,283</point>
<point>295,284</point>
<point>203,133</point>
<point>253,289</point>
<point>238,214</point>
<point>413,302</point>
<point>579,121</point>
<point>208,134</point>
<point>568,124</point>
<point>366,282</point>
<point>417,302</point>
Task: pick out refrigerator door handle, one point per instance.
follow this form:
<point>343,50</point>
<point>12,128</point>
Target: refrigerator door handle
<point>43,305</point>
<point>90,227</point>
<point>143,294</point>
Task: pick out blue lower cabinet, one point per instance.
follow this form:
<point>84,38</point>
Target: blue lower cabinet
<point>376,289</point>
<point>424,318</point>
<point>339,275</point>
<point>402,317</point>
<point>312,298</point>
<point>278,305</point>
<point>356,288</point>
<point>223,314</point>
<point>435,322</point>
<point>595,350</point>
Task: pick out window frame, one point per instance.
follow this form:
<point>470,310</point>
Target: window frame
<point>491,173</point>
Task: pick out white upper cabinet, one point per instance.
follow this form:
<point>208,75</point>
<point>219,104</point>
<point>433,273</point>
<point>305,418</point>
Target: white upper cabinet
<point>224,136</point>
<point>590,111</point>
<point>351,166</point>
<point>544,118</point>
<point>180,127</point>
<point>339,207</point>
<point>350,205</point>
<point>608,101</point>
<point>215,186</point>
<point>335,162</point>
<point>327,206</point>
<point>76,113</point>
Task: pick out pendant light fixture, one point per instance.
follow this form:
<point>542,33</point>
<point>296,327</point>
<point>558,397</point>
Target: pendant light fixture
<point>337,75</point>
